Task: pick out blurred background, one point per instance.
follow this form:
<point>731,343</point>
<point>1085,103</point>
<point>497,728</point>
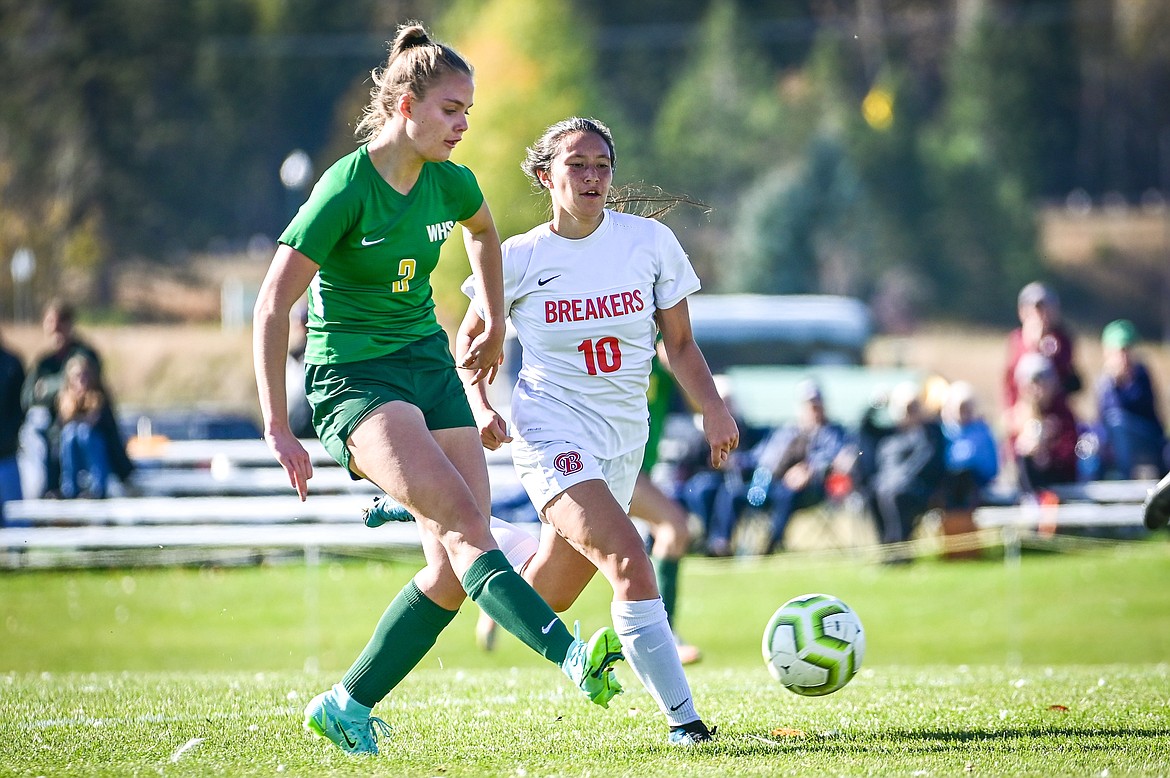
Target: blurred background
<point>928,156</point>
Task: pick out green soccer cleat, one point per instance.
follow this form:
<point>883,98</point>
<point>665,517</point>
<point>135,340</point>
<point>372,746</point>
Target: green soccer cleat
<point>691,734</point>
<point>352,734</point>
<point>590,664</point>
<point>383,511</point>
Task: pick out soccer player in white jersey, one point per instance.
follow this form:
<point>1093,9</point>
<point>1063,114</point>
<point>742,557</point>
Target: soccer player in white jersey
<point>588,292</point>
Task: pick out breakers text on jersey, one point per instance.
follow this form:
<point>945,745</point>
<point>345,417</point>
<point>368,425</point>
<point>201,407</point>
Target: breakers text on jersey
<point>439,231</point>
<point>603,307</point>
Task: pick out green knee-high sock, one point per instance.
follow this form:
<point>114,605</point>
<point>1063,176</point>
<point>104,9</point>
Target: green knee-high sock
<point>404,635</point>
<point>513,604</point>
<point>666,573</point>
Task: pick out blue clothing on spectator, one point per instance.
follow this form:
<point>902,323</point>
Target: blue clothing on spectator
<point>83,450</point>
<point>972,462</point>
<point>971,447</point>
<point>1130,428</point>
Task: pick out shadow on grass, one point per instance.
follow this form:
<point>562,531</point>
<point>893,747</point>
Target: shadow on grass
<point>967,735</point>
<point>1088,737</point>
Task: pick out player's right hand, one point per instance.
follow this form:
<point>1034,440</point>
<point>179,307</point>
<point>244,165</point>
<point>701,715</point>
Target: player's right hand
<point>293,457</point>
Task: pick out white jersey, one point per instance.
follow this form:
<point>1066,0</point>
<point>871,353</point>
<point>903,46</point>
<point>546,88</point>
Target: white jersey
<point>584,314</point>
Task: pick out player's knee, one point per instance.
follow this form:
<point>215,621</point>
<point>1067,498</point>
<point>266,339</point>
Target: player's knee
<point>671,540</point>
<point>632,577</point>
<point>440,587</point>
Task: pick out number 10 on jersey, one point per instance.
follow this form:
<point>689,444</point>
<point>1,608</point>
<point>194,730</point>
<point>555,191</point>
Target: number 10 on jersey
<point>601,356</point>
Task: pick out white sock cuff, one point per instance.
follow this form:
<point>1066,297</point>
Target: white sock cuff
<point>348,704</point>
<point>631,616</point>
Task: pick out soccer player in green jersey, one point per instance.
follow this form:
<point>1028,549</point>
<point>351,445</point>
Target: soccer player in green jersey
<point>387,401</point>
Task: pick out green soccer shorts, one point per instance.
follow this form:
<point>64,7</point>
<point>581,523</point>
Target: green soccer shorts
<point>421,373</point>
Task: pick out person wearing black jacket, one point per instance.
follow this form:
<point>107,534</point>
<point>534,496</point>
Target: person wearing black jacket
<point>39,398</point>
<point>901,467</point>
<point>11,417</point>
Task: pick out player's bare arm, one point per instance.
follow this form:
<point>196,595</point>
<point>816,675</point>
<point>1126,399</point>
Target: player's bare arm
<point>287,279</point>
<point>483,251</point>
<point>493,432</point>
<point>694,376</point>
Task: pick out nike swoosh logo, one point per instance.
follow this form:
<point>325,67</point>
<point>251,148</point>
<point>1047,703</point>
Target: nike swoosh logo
<point>348,740</point>
<point>673,708</point>
<point>543,281</point>
<point>547,628</point>
<point>368,242</point>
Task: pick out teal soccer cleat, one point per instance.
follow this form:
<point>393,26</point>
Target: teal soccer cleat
<point>590,664</point>
<point>352,734</point>
<point>383,511</point>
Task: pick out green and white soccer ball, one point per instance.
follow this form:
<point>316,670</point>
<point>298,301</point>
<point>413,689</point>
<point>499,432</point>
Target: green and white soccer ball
<point>814,644</point>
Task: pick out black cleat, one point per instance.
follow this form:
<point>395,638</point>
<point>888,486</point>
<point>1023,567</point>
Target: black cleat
<point>691,734</point>
<point>1156,509</point>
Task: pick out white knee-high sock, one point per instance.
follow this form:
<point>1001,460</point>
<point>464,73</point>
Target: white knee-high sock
<point>517,544</point>
<point>648,643</point>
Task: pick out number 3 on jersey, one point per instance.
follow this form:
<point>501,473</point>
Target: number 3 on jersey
<point>603,356</point>
<point>406,272</point>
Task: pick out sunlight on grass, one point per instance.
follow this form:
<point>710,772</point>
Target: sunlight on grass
<point>1056,665</point>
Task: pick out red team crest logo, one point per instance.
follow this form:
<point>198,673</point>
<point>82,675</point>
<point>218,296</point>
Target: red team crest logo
<point>568,462</point>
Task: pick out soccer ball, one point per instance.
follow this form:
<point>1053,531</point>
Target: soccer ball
<point>814,644</point>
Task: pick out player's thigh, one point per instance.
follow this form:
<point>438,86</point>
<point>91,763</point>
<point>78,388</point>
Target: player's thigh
<point>464,450</point>
<point>591,520</point>
<point>393,448</point>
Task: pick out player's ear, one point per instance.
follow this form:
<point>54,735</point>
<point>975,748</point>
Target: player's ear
<point>406,104</point>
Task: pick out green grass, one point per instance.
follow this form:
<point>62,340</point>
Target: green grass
<point>1054,666</point>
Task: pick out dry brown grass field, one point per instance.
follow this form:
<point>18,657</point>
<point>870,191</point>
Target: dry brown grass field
<point>165,366</point>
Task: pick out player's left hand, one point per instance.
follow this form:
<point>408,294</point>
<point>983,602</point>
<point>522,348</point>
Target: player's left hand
<point>722,435</point>
<point>493,432</point>
<point>485,355</point>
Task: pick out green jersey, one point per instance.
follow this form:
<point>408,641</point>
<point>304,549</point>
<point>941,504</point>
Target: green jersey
<point>376,248</point>
<point>659,396</point>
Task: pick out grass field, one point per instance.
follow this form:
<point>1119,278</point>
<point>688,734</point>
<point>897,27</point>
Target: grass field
<point>1056,665</point>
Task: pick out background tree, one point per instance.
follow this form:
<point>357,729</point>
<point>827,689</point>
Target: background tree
<point>519,91</point>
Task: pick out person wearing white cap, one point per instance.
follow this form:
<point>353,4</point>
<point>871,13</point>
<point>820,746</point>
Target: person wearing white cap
<point>1041,331</point>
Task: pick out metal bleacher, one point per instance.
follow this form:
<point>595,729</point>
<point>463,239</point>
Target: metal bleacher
<point>213,494</point>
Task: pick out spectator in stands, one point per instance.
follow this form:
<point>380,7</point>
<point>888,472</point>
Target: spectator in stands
<point>1133,440</point>
<point>906,470</point>
<point>11,418</point>
<point>81,404</point>
<point>701,483</point>
<point>1042,430</point>
<point>1040,332</point>
<point>39,397</point>
<point>790,468</point>
<point>972,459</point>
